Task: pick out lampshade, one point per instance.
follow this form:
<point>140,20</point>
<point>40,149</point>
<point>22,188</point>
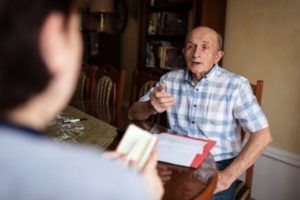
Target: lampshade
<point>101,5</point>
<point>103,14</point>
<point>83,3</point>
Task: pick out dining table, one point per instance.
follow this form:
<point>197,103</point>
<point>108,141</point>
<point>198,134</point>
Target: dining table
<point>103,127</point>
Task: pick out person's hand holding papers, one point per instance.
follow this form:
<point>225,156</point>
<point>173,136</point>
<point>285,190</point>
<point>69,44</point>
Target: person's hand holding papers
<point>164,172</point>
<point>138,146</point>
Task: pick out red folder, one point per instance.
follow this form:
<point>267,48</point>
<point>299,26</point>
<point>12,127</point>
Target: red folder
<point>200,157</point>
<point>183,150</point>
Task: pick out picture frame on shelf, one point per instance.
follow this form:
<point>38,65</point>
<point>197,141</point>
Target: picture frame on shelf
<point>93,44</point>
<point>150,57</point>
<point>169,57</point>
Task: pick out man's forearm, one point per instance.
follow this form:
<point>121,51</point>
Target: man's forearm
<point>256,144</point>
<point>140,110</point>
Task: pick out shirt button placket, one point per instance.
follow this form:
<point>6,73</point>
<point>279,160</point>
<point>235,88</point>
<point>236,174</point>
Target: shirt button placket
<point>194,106</point>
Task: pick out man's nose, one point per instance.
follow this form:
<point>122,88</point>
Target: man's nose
<point>197,52</point>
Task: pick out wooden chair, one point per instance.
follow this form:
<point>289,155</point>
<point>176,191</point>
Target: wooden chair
<point>85,82</point>
<point>243,188</point>
<point>108,88</point>
<point>142,82</point>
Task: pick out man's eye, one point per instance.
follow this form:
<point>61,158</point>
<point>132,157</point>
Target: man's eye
<point>204,47</point>
<point>190,47</point>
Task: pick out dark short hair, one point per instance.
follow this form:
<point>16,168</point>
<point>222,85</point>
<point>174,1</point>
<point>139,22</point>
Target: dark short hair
<point>23,72</point>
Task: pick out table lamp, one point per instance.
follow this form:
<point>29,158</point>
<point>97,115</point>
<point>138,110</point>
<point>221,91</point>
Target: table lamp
<point>103,11</point>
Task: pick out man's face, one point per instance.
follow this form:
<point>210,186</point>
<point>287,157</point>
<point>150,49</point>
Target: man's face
<point>201,51</point>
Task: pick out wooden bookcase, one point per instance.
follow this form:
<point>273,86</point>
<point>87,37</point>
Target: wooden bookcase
<point>163,25</point>
<point>100,48</point>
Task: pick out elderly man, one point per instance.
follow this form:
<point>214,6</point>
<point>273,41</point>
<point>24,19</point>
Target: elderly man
<point>207,101</point>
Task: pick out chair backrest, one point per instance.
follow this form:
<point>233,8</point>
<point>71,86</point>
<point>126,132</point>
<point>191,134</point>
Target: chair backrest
<point>257,91</point>
<point>108,88</point>
<point>142,81</point>
<point>85,82</point>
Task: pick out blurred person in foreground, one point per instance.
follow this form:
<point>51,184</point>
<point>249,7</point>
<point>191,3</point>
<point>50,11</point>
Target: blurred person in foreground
<point>40,56</point>
<point>207,101</point>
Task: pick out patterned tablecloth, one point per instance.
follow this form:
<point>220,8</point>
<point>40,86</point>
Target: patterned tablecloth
<point>91,131</point>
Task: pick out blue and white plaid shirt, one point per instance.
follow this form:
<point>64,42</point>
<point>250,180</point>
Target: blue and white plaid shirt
<point>214,108</point>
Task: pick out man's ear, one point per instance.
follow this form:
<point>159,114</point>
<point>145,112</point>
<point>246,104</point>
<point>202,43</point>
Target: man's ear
<point>219,55</point>
<point>52,41</point>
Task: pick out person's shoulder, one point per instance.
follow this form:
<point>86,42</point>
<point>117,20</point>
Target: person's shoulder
<point>227,76</point>
<point>61,163</point>
<point>38,147</point>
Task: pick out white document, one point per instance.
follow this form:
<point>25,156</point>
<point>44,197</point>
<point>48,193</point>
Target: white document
<point>137,144</point>
<point>178,150</point>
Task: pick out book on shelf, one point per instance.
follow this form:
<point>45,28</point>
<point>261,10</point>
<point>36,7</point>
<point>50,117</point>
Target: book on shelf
<point>168,23</point>
<point>164,2</point>
<point>173,23</point>
<point>182,150</point>
<point>153,52</point>
<point>137,144</point>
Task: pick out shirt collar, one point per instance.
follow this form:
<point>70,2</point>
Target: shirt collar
<point>212,72</point>
<point>25,129</point>
<point>188,75</point>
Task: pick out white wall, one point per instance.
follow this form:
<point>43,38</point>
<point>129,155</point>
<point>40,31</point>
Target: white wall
<point>276,177</point>
<point>262,41</point>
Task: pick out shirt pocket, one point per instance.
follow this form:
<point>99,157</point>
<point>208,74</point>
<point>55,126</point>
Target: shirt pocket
<point>218,117</point>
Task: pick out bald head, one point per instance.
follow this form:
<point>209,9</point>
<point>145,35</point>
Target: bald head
<point>208,31</point>
<point>202,51</point>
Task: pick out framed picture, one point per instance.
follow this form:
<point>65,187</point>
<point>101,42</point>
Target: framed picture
<point>169,57</point>
<point>150,57</point>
